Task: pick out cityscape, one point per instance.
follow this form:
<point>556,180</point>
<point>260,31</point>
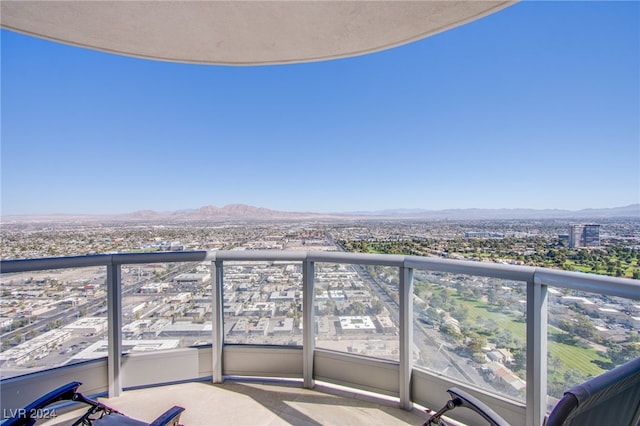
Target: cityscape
<point>467,327</point>
<point>443,178</point>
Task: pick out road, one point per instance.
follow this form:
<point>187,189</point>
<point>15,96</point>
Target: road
<point>441,356</point>
<point>94,307</point>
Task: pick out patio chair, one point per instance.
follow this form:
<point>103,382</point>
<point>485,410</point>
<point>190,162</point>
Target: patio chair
<point>612,398</point>
<point>97,414</point>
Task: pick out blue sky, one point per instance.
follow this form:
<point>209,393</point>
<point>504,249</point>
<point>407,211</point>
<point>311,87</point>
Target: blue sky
<point>537,106</point>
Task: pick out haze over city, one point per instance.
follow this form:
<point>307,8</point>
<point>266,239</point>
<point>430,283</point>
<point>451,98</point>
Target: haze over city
<point>533,107</point>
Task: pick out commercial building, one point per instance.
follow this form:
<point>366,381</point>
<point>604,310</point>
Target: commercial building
<point>191,281</point>
<point>357,325</point>
<point>283,296</point>
<point>35,348</point>
<point>89,326</point>
<point>584,235</point>
<point>283,326</point>
<point>385,324</point>
<point>101,347</point>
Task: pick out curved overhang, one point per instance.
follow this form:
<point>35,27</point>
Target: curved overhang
<point>239,32</point>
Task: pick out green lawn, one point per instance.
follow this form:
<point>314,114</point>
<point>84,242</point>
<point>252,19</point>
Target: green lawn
<point>571,357</point>
<point>504,321</point>
<point>575,357</point>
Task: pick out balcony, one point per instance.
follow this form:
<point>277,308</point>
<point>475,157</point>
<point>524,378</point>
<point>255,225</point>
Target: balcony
<point>264,402</point>
<point>405,361</point>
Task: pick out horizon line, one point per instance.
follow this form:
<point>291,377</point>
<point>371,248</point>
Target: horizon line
<point>384,211</point>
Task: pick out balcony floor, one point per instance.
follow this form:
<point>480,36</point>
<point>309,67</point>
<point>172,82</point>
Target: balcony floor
<point>259,403</point>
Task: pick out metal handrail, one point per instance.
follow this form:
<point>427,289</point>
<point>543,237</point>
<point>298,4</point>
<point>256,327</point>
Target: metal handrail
<point>537,281</point>
<point>592,283</point>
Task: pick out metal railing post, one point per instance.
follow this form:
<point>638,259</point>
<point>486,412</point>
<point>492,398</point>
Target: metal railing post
<point>114,321</point>
<point>406,336</point>
<point>217,321</point>
<point>308,322</point>
<point>536,352</point>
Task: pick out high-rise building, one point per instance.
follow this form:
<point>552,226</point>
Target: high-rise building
<point>584,235</point>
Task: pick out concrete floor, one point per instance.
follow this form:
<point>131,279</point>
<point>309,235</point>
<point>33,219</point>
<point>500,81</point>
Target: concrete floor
<point>259,403</point>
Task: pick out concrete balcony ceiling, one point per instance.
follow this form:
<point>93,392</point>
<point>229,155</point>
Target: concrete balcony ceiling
<point>240,32</point>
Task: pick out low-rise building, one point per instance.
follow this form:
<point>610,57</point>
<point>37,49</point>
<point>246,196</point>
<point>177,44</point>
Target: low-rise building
<point>248,326</point>
<point>384,324</point>
<point>323,325</point>
<point>186,328</point>
<point>101,348</point>
<point>283,296</point>
<point>356,324</point>
<point>337,295</point>
<point>191,281</point>
<point>232,309</point>
<point>88,326</point>
<point>357,295</point>
<point>35,348</point>
<point>259,309</point>
<point>5,322</point>
<point>282,326</point>
<point>134,329</point>
<point>180,298</point>
<point>154,288</point>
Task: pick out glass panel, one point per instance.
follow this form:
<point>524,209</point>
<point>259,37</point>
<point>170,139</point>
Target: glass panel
<point>166,306</point>
<point>588,335</point>
<point>472,329</point>
<point>263,303</point>
<point>51,318</point>
<point>357,309</point>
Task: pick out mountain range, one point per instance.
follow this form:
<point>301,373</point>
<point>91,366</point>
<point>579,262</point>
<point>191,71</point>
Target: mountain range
<point>242,212</point>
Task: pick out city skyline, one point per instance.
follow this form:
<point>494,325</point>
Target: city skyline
<point>527,108</point>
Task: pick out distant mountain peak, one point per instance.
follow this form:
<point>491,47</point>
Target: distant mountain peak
<point>234,212</point>
<point>231,212</point>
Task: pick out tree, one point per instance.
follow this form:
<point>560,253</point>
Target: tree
<point>572,378</point>
<point>492,296</point>
<point>446,297</point>
<point>502,303</point>
<point>460,312</point>
<point>584,327</point>
<point>479,357</point>
<point>476,342</point>
<point>554,362</point>
<point>619,354</point>
<point>503,339</point>
<point>331,307</point>
<point>477,293</point>
<point>467,293</point>
<point>519,359</point>
<point>377,307</point>
<point>358,308</point>
<point>451,331</point>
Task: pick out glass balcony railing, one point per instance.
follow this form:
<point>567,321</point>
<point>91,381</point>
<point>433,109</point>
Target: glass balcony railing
<point>263,303</point>
<point>405,326</point>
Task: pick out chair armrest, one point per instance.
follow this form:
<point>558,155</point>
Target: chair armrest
<point>171,417</point>
<point>25,416</point>
<point>463,399</point>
